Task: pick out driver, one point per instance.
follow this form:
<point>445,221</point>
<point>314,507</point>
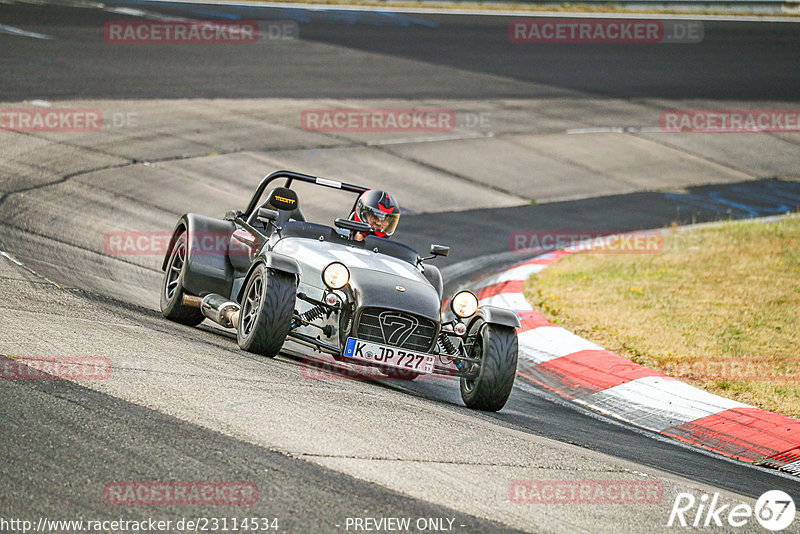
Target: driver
<point>378,209</point>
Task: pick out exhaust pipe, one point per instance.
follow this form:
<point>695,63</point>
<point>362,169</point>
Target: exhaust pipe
<point>216,307</point>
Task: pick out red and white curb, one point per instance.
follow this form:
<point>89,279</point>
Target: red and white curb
<point>585,373</point>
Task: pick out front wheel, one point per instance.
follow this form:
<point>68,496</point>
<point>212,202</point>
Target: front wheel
<point>266,314</point>
<point>497,349</point>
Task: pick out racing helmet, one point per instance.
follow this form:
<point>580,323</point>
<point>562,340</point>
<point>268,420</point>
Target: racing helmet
<point>378,209</point>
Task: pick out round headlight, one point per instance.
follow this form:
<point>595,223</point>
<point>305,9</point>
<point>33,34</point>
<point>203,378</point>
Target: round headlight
<point>464,304</point>
<point>335,275</point>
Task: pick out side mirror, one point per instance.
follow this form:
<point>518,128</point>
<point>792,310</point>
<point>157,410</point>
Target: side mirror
<point>440,250</point>
<point>436,250</point>
<point>267,215</point>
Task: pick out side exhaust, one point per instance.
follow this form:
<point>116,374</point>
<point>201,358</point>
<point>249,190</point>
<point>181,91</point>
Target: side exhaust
<point>216,307</point>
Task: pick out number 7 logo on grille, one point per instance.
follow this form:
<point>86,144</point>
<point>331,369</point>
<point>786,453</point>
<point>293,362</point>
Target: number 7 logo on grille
<point>397,327</point>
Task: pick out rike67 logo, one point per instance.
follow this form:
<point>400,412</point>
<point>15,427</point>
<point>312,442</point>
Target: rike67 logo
<point>774,510</point>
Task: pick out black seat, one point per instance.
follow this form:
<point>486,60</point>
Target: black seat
<point>284,201</point>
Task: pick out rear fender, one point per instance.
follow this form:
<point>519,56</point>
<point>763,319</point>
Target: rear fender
<point>208,268</point>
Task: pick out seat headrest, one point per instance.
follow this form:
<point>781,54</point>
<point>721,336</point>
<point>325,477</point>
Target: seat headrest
<point>283,198</point>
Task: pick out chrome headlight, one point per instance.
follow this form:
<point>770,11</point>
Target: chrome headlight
<point>464,304</point>
<point>336,275</point>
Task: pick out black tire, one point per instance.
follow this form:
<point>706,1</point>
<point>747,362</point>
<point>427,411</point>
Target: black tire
<point>267,308</point>
<point>172,288</point>
<point>496,346</point>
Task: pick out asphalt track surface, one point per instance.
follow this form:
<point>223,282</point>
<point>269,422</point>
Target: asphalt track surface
<point>735,61</point>
<point>745,62</point>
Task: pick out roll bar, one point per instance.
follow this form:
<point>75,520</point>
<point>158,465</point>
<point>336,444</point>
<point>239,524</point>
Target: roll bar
<point>290,176</point>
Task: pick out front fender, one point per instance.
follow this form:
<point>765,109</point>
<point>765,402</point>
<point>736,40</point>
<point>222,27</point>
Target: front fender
<point>281,262</point>
<point>495,315</point>
<point>434,276</point>
<point>275,261</point>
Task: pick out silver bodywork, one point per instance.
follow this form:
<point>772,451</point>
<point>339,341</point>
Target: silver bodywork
<point>376,280</point>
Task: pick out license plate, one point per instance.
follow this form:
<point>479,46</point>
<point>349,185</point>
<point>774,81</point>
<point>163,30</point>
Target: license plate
<point>389,356</point>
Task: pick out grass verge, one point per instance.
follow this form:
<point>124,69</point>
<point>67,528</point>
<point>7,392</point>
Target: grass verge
<point>718,307</point>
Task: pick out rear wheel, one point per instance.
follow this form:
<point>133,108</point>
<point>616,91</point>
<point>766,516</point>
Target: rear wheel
<point>267,308</point>
<point>172,288</point>
<point>497,349</point>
